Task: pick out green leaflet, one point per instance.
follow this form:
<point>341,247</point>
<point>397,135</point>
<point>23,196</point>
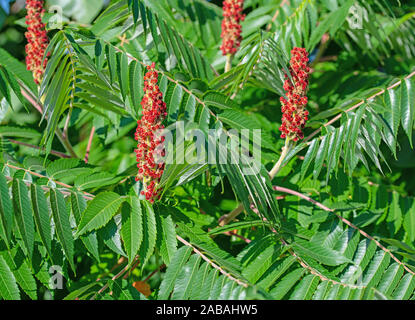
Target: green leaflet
<point>78,205</point>
<point>312,151</point>
<point>395,213</point>
<point>62,225</point>
<point>149,233</point>
<point>184,281</point>
<point>17,68</point>
<point>392,116</point>
<point>123,75</point>
<point>173,103</point>
<point>24,215</point>
<point>405,287</point>
<point>112,237</point>
<point>76,293</point>
<point>132,227</point>
<point>305,290</point>
<point>321,155</point>
<point>390,278</point>
<point>168,245</point>
<point>286,283</point>
<point>99,212</point>
<point>409,221</point>
<point>18,132</point>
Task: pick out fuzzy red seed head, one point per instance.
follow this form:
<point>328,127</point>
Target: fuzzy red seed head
<point>295,115</point>
<point>231,26</point>
<point>37,39</point>
<point>149,145</point>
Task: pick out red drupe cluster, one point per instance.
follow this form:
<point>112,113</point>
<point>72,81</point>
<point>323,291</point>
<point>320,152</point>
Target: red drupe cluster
<point>37,39</point>
<point>295,115</point>
<point>231,26</point>
<point>150,145</point>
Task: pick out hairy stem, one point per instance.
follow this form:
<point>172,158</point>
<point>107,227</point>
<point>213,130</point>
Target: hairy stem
<point>214,265</point>
<point>118,275</point>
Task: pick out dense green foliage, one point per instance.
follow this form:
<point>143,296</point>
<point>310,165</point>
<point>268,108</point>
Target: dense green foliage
<point>339,225</point>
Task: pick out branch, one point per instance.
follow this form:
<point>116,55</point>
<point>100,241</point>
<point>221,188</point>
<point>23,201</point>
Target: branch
<point>277,12</point>
<point>154,272</point>
<point>118,275</point>
<point>88,148</point>
<point>356,106</point>
<point>295,193</point>
<point>56,153</point>
<point>64,140</point>
<point>225,219</point>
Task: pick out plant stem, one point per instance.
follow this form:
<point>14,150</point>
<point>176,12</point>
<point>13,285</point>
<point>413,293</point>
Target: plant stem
<point>66,144</point>
<point>214,265</point>
<point>154,272</point>
<point>56,153</point>
<point>228,65</point>
<point>64,140</point>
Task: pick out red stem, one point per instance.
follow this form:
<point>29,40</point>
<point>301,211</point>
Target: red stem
<point>88,148</point>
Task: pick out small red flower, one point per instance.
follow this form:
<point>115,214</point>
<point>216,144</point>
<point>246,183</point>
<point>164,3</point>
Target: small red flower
<point>149,146</point>
<point>37,39</point>
<point>295,115</point>
<point>231,26</point>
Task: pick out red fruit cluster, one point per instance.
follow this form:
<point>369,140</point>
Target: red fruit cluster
<point>37,39</point>
<point>293,108</point>
<point>149,147</point>
<point>231,27</point>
